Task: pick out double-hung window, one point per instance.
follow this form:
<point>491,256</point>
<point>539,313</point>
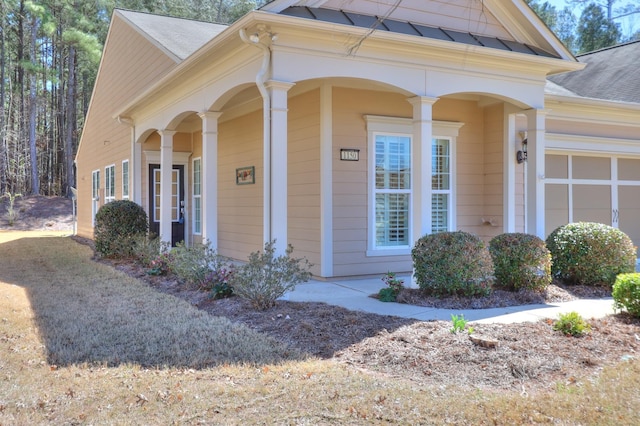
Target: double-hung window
<point>390,177</point>
<point>95,195</point>
<point>197,196</point>
<point>109,183</point>
<point>125,180</point>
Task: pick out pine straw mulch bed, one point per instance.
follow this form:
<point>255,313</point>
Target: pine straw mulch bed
<point>529,357</point>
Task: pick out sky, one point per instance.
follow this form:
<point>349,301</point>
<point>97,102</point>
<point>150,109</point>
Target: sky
<point>628,25</point>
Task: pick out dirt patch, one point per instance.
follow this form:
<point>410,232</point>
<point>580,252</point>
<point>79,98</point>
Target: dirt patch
<point>36,213</point>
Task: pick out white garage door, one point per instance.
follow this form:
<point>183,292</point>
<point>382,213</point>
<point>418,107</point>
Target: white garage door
<point>581,188</point>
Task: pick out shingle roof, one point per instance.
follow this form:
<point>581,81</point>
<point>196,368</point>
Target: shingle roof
<point>404,27</point>
<point>611,74</point>
<point>180,37</point>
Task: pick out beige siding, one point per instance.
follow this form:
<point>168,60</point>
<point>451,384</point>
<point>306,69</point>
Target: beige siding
<point>350,188</point>
<point>129,65</point>
<point>494,166</point>
<point>478,150</point>
<point>304,177</point>
<point>240,206</point>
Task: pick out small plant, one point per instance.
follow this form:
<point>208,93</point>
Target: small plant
<point>161,265</point>
<point>267,277</point>
<point>395,285</point>
<point>626,293</point>
<point>218,282</point>
<point>452,263</point>
<point>520,261</point>
<point>118,225</point>
<point>590,253</point>
<point>148,248</point>
<point>459,324</point>
<point>12,214</point>
<point>571,324</point>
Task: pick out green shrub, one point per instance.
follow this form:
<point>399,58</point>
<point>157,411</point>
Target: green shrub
<point>520,261</point>
<point>626,293</point>
<point>147,248</point>
<point>571,324</point>
<point>267,277</point>
<point>118,225</point>
<point>452,263</point>
<point>192,265</point>
<point>590,253</point>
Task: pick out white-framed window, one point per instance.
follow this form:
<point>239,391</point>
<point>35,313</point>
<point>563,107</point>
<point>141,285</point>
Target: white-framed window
<point>391,188</point>
<point>125,180</point>
<point>197,196</point>
<point>109,183</point>
<point>441,197</point>
<point>95,195</point>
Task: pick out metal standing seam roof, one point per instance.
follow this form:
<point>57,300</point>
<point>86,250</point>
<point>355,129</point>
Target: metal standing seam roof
<point>410,28</point>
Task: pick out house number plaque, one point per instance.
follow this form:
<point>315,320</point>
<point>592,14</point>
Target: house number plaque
<point>349,154</point>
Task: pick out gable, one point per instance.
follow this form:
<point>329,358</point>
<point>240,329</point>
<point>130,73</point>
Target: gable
<point>503,24</point>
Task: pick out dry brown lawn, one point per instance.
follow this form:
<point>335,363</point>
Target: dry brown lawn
<point>82,343</point>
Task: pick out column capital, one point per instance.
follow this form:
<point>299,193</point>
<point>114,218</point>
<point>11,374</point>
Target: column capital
<point>422,100</point>
<point>167,132</point>
<point>278,85</point>
<point>209,115</point>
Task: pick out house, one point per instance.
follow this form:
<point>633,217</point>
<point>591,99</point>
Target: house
<point>349,129</point>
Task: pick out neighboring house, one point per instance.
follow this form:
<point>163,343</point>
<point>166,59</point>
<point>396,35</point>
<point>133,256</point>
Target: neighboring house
<point>350,129</point>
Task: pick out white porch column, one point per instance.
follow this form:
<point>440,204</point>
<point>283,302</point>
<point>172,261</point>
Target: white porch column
<point>326,180</point>
<point>421,165</point>
<point>535,171</point>
<point>509,172</point>
<point>277,205</point>
<point>166,167</point>
<point>209,176</point>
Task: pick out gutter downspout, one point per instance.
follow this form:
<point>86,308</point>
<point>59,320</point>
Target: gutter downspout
<point>254,40</point>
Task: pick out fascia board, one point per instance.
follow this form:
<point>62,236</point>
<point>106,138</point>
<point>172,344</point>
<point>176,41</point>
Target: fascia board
<point>508,12</point>
<point>589,110</point>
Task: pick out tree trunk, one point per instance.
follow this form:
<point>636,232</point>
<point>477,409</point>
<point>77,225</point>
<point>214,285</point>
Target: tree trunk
<point>33,153</point>
<point>70,124</point>
<point>3,139</point>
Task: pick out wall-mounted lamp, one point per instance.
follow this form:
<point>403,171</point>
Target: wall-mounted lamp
<point>521,156</point>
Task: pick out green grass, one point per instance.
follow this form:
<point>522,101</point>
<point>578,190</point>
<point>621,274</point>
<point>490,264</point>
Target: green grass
<point>83,344</point>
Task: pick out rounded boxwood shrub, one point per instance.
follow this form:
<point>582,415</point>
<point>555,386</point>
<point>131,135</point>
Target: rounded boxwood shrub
<point>590,253</point>
<point>626,293</point>
<point>520,261</point>
<point>117,227</point>
<point>452,263</point>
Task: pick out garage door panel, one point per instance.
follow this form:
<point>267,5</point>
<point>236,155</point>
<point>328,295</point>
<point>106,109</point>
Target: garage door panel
<point>629,169</point>
<point>629,207</point>
<point>556,206</point>
<point>591,168</point>
<point>592,203</point>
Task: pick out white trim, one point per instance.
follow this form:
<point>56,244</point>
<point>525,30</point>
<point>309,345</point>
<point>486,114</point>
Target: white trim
<point>109,183</point>
<point>404,127</point>
<point>95,196</point>
<point>196,196</point>
<point>128,179</point>
<point>326,180</point>
<point>592,144</point>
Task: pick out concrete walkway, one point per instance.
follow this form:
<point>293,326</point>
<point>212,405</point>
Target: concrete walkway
<point>354,295</point>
